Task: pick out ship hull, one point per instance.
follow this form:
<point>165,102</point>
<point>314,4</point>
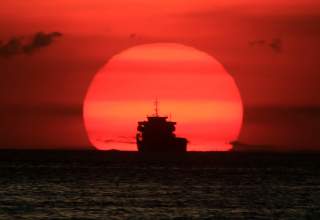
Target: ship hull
<point>177,146</point>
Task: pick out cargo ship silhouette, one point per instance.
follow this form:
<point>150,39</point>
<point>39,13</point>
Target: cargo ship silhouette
<point>157,135</point>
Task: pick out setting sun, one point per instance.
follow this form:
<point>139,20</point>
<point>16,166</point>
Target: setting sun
<point>192,87</point>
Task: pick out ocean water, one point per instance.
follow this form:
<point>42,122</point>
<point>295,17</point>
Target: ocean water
<point>96,185</point>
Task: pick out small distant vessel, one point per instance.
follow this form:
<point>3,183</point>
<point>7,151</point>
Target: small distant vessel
<point>157,135</point>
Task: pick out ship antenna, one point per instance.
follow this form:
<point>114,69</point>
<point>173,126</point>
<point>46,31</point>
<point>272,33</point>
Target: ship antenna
<point>156,107</point>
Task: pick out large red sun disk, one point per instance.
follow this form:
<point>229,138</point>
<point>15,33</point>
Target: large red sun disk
<point>190,85</point>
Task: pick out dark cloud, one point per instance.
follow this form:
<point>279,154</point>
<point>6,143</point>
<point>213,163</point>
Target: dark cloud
<point>275,44</point>
<point>40,40</point>
<point>16,45</point>
<point>12,47</point>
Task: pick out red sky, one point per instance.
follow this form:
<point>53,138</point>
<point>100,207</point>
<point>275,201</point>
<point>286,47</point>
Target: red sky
<point>41,93</point>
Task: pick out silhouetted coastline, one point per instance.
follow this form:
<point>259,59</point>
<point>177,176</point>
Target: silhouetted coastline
<point>227,158</point>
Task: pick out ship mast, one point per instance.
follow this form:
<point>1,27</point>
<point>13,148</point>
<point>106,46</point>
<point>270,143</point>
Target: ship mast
<point>156,108</point>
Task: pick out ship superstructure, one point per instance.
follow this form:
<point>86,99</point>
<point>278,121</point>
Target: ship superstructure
<point>157,135</point>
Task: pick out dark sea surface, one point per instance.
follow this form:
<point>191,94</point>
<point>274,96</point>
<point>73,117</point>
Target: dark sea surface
<point>114,185</point>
